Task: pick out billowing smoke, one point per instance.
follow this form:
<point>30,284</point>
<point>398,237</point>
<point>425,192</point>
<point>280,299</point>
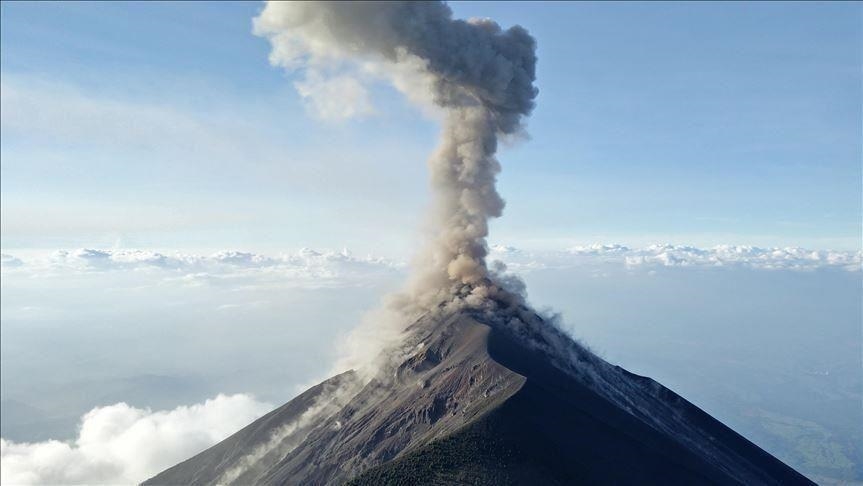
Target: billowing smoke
<point>476,74</point>
<point>479,78</point>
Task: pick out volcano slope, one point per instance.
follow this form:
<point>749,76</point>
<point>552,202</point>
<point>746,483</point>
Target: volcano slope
<point>470,398</point>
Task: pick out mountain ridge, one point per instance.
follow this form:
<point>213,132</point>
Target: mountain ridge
<point>469,399</point>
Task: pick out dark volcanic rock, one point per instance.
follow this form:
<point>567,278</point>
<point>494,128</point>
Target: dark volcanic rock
<point>468,403</point>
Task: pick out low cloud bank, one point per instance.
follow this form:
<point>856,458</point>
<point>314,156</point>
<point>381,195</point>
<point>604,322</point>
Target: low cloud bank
<point>330,265</point>
<point>121,444</point>
<point>666,255</point>
<point>305,268</point>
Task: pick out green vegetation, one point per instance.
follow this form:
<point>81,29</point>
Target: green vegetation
<point>814,446</point>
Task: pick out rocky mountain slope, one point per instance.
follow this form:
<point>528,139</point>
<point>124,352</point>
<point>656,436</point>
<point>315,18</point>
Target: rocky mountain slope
<point>469,400</point>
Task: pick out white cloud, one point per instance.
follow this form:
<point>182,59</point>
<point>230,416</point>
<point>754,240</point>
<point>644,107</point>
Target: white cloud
<point>9,261</point>
<point>504,250</point>
<point>789,258</point>
<point>308,267</point>
<point>664,255</point>
<point>120,444</point>
<point>327,262</point>
<point>599,249</point>
<point>335,98</point>
<point>241,270</point>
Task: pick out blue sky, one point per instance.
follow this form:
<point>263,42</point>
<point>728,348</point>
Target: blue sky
<point>163,126</point>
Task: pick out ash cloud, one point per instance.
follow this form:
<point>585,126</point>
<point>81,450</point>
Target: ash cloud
<point>472,74</point>
<point>478,75</point>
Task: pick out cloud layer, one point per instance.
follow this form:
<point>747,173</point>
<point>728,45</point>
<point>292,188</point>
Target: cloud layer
<point>335,268</point>
<point>120,444</point>
<point>667,255</point>
<point>305,268</point>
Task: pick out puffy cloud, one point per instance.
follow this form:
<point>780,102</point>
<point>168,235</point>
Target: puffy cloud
<point>504,250</point>
<point>665,255</point>
<point>242,259</point>
<point>789,258</point>
<point>336,98</point>
<point>120,444</point>
<point>305,268</point>
<point>103,260</point>
<point>9,261</point>
<point>313,269</point>
<point>599,249</point>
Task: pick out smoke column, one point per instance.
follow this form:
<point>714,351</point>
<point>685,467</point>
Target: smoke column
<point>479,79</point>
<point>477,74</point>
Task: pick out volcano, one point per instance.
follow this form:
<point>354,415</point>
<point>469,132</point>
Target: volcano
<point>478,388</point>
<point>475,396</point>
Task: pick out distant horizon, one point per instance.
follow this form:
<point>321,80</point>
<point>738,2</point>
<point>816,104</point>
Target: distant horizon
<point>717,255</point>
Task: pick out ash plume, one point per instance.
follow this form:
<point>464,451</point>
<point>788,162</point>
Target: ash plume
<point>477,75</point>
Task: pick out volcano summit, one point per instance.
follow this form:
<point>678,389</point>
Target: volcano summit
<point>467,384</point>
<point>473,400</point>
